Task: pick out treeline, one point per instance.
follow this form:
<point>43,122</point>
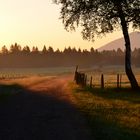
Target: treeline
<point>17,56</point>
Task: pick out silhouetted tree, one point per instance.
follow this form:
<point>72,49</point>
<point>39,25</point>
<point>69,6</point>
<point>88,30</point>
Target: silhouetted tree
<point>135,52</point>
<point>57,51</point>
<point>26,50</point>
<point>16,49</point>
<point>44,50</point>
<point>35,50</point>
<point>119,52</point>
<point>79,50</point>
<point>85,51</point>
<point>4,50</point>
<point>68,50</point>
<point>92,50</point>
<point>103,16</point>
<point>50,50</point>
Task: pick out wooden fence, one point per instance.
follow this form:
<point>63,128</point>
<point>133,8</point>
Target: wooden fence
<point>81,79</point>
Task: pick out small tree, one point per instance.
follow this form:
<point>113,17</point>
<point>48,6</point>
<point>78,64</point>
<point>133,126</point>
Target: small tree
<point>44,50</point>
<point>35,50</point>
<point>100,17</point>
<point>15,49</point>
<point>26,50</point>
<point>4,50</point>
<point>50,50</point>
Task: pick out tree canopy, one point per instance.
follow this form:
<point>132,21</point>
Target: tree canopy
<point>98,17</point>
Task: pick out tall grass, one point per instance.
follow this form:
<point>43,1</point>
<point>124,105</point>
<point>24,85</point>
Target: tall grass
<point>112,114</point>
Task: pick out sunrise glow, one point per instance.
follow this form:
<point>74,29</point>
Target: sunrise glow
<point>37,23</point>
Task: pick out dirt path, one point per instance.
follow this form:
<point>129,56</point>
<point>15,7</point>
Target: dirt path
<point>42,110</point>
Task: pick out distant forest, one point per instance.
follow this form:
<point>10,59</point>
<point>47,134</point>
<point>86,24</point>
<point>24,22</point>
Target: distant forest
<point>18,57</point>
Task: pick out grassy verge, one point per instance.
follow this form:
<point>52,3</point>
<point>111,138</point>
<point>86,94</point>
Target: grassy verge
<point>112,114</point>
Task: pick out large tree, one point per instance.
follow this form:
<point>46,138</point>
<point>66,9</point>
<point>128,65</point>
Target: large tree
<point>98,17</point>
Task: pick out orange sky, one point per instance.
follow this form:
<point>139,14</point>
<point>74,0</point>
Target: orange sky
<point>36,22</point>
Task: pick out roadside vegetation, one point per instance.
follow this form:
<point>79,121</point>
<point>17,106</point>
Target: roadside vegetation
<point>113,114</point>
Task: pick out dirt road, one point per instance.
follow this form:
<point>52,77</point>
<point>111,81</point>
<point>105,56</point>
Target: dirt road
<point>41,109</point>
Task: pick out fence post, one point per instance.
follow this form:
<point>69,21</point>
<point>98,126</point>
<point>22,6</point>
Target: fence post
<point>82,79</point>
<point>91,82</point>
<point>76,74</point>
<point>78,78</point>
<point>118,80</point>
<point>85,80</point>
<point>102,81</point>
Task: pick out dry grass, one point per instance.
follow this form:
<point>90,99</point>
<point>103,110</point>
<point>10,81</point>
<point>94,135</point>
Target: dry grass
<point>112,114</point>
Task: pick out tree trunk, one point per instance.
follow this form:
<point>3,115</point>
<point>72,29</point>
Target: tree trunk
<point>128,69</point>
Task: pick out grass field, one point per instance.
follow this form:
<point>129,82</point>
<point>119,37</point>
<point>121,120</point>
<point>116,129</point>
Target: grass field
<point>112,114</point>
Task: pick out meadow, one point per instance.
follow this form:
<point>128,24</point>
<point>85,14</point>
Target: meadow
<point>112,114</point>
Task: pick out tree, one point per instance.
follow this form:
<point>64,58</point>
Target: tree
<point>98,17</point>
<point>44,50</point>
<point>50,50</point>
<point>15,49</point>
<point>35,50</point>
<point>58,51</point>
<point>4,50</point>
<point>120,52</point>
<point>68,50</point>
<point>26,50</point>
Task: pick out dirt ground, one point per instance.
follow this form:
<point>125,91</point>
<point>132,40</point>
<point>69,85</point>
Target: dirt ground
<point>41,109</point>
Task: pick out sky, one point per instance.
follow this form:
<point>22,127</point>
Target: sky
<point>37,23</point>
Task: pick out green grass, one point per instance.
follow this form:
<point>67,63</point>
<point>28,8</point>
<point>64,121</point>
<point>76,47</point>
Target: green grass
<point>111,113</point>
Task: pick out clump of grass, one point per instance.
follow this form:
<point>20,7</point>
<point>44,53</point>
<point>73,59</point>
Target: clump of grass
<point>113,114</point>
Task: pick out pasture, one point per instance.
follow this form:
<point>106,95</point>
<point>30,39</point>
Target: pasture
<point>111,113</point>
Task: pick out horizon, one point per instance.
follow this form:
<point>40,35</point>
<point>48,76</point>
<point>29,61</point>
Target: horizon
<point>30,23</point>
<point>62,49</point>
